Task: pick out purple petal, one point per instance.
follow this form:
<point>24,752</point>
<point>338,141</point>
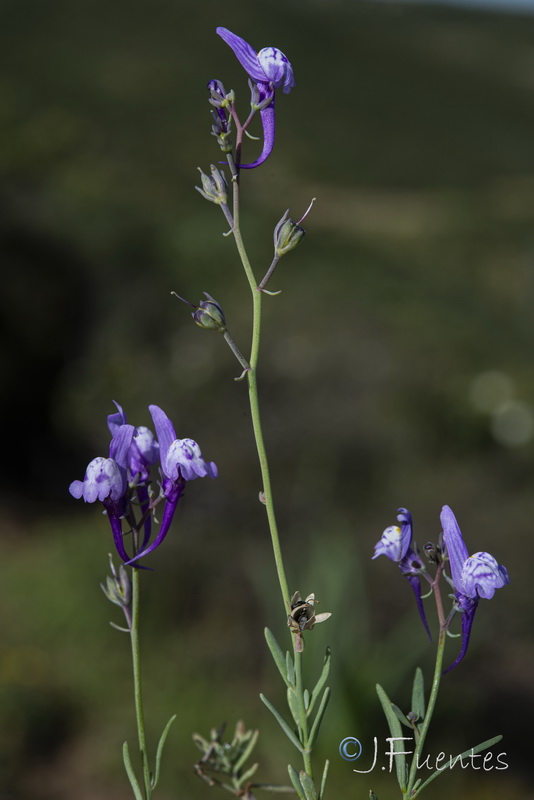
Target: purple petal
<point>390,544</point>
<point>468,606</point>
<point>246,55</point>
<point>395,540</point>
<point>456,547</point>
<point>482,575</point>
<point>168,514</point>
<point>415,583</point>
<point>277,68</point>
<point>164,431</point>
<point>268,124</point>
<point>116,529</point>
<point>144,501</point>
<point>116,420</point>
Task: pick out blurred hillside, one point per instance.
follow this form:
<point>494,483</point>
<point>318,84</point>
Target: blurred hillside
<point>396,370</point>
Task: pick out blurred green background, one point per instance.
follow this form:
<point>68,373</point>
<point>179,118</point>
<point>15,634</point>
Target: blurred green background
<point>396,370</point>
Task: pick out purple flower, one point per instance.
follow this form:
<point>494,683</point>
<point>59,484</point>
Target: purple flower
<point>181,461</point>
<point>133,451</point>
<point>473,576</point>
<point>396,545</point>
<point>106,479</point>
<point>269,70</point>
<point>144,450</point>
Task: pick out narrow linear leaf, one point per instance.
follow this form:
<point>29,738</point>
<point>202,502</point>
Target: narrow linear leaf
<point>306,781</point>
<point>273,787</point>
<point>277,654</point>
<point>322,680</point>
<point>450,763</point>
<point>295,780</point>
<point>159,751</point>
<point>246,776</point>
<point>247,752</point>
<point>400,716</point>
<point>293,705</point>
<point>418,694</point>
<point>290,669</point>
<point>131,774</point>
<point>283,724</point>
<point>319,717</point>
<point>306,696</point>
<point>396,733</point>
<point>323,779</point>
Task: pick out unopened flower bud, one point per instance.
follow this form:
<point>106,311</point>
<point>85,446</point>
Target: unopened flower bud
<point>210,315</point>
<point>221,130</point>
<point>219,97</point>
<point>118,588</point>
<point>214,187</point>
<point>287,235</point>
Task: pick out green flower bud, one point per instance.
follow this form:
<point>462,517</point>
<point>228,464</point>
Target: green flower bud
<point>209,315</point>
<point>287,235</point>
<point>214,187</point>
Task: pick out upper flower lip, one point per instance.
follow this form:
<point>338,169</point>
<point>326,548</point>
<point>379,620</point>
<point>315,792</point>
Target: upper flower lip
<point>269,65</point>
<point>473,576</point>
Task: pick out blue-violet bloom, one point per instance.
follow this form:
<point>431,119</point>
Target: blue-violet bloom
<point>269,69</point>
<point>473,576</point>
<point>396,545</point>
<point>181,461</point>
<point>106,479</point>
<point>132,452</point>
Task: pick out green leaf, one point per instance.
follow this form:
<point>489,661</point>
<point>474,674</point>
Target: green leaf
<point>295,780</point>
<point>472,750</point>
<point>400,716</point>
<point>293,705</point>
<point>306,696</point>
<point>131,774</point>
<point>277,654</point>
<point>246,776</point>
<point>418,694</point>
<point>159,751</point>
<point>306,781</point>
<point>319,718</point>
<point>290,669</point>
<point>323,779</point>
<point>273,787</point>
<point>246,752</point>
<point>283,724</point>
<point>322,680</point>
<point>396,733</point>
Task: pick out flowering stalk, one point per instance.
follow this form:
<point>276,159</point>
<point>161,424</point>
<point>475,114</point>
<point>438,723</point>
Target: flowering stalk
<point>472,577</point>
<point>268,70</point>
<point>123,483</point>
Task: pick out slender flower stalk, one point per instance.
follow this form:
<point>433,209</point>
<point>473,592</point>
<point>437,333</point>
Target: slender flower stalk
<point>268,70</point>
<point>137,682</point>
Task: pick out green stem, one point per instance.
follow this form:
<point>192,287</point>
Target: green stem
<point>303,719</point>
<point>434,692</point>
<point>254,403</point>
<point>257,296</point>
<point>138,692</point>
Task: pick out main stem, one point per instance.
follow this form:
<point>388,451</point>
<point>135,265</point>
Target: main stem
<point>257,296</point>
<point>433,694</point>
<point>138,692</point>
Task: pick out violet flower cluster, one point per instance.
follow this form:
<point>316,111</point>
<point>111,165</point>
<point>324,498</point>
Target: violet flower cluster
<point>123,481</point>
<point>472,577</point>
<point>268,70</point>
